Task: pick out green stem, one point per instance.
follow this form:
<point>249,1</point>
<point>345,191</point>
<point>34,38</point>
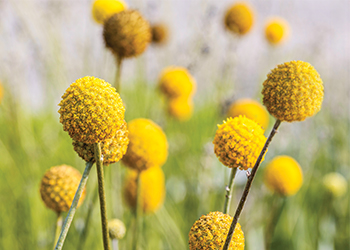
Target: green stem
<point>249,184</point>
<point>58,227</point>
<point>118,74</point>
<point>73,207</point>
<point>101,193</point>
<point>115,244</point>
<point>138,213</point>
<point>229,191</point>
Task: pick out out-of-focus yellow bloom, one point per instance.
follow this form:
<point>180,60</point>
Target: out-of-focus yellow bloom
<point>335,183</point>
<point>116,229</point>
<point>1,92</point>
<point>58,187</point>
<point>112,149</point>
<point>238,142</point>
<point>283,175</point>
<point>160,33</point>
<point>251,109</point>
<point>104,9</point>
<point>180,108</point>
<point>148,145</point>
<point>276,30</point>
<point>239,18</point>
<point>293,91</point>
<point>127,33</point>
<point>152,189</point>
<point>176,82</point>
<point>91,110</point>
<point>210,232</point>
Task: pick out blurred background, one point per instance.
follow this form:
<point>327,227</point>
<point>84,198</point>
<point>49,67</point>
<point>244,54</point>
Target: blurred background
<point>46,45</point>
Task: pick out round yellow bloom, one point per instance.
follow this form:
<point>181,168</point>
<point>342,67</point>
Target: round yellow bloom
<point>239,18</point>
<point>238,142</point>
<point>293,91</point>
<point>335,183</point>
<point>127,33</point>
<point>283,175</point>
<point>116,229</point>
<point>276,31</point>
<point>176,82</point>
<point>148,145</point>
<point>104,9</point>
<point>251,109</point>
<point>160,33</point>
<point>58,187</point>
<point>112,149</point>
<point>180,108</point>
<point>91,110</point>
<point>210,232</point>
<point>152,189</point>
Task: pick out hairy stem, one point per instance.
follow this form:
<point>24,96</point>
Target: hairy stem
<point>229,191</point>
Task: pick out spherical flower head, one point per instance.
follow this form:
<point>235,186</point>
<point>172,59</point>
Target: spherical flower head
<point>283,175</point>
<point>58,187</point>
<point>238,142</point>
<point>180,108</point>
<point>116,229</point>
<point>91,110</point>
<point>293,91</point>
<point>148,145</point>
<point>250,109</point>
<point>276,31</point>
<point>176,82</point>
<point>160,33</point>
<point>210,232</point>
<point>239,18</point>
<point>112,149</point>
<point>104,9</point>
<point>152,189</point>
<point>335,184</point>
<point>127,33</point>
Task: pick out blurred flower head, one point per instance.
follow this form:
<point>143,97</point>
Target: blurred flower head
<point>116,229</point>
<point>238,142</point>
<point>160,33</point>
<point>293,91</point>
<point>251,109</point>
<point>239,18</point>
<point>180,108</point>
<point>210,232</point>
<point>276,31</point>
<point>58,187</point>
<point>283,175</point>
<point>335,184</point>
<point>104,9</point>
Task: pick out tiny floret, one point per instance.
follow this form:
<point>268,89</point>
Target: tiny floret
<point>210,232</point>
<point>293,91</point>
<point>276,31</point>
<point>238,142</point>
<point>104,9</point>
<point>116,229</point>
<point>239,18</point>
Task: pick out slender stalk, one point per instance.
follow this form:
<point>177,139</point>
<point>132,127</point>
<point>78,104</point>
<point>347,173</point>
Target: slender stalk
<point>249,184</point>
<point>73,207</point>
<point>115,244</point>
<point>101,193</point>
<point>229,191</point>
<point>118,73</point>
<point>58,227</point>
<point>138,213</point>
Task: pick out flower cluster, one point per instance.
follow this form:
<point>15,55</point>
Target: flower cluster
<point>239,18</point>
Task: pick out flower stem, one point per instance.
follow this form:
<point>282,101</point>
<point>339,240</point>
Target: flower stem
<point>118,73</point>
<point>58,227</point>
<point>115,244</point>
<point>101,193</point>
<point>249,184</point>
<point>229,191</point>
<point>138,212</point>
<point>73,207</point>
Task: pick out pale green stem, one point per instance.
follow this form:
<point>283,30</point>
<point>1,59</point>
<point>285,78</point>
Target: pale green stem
<point>229,191</point>
<point>73,207</point>
<point>138,213</point>
<point>115,244</point>
<point>118,74</point>
<point>58,227</point>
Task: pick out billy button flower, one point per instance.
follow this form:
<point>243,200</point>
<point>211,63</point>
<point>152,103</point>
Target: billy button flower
<point>180,108</point>
<point>117,231</point>
<point>276,31</point>
<point>104,9</point>
<point>239,18</point>
<point>335,184</point>
<point>160,33</point>
<point>209,233</point>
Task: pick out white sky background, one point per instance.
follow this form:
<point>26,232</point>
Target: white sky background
<point>47,44</point>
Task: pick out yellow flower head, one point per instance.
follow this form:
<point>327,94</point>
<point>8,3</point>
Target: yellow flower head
<point>176,82</point>
<point>116,229</point>
<point>210,232</point>
<point>180,108</point>
<point>104,9</point>
<point>251,109</point>
<point>293,91</point>
<point>276,31</point>
<point>239,18</point>
<point>127,33</point>
<point>112,149</point>
<point>152,189</point>
<point>58,187</point>
<point>148,145</point>
<point>335,183</point>
<point>91,110</point>
<point>238,142</point>
<point>283,175</point>
<point>160,33</point>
